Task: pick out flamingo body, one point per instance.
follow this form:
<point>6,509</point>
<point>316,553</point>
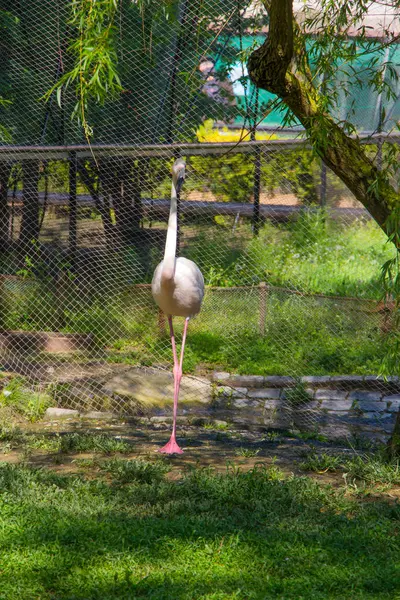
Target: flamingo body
<point>182,295</point>
<point>178,289</point>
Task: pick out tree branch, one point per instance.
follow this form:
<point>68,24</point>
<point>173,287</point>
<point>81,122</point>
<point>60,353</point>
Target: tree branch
<point>273,67</point>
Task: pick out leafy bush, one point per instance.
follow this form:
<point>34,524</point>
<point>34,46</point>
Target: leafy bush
<point>31,403</point>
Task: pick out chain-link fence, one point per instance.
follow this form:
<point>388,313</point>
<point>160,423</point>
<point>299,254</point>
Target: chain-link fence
<point>291,261</point>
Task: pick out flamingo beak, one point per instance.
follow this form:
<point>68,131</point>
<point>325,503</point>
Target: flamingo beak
<point>179,183</point>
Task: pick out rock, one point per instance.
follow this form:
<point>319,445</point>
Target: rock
<point>393,403</point>
<point>373,415</point>
<point>97,414</point>
<point>60,413</point>
<point>346,379</point>
<point>152,389</point>
<point>246,381</point>
<point>220,423</point>
<point>161,419</point>
<point>220,376</point>
<point>279,381</point>
<point>365,396</point>
<point>337,406</point>
<point>368,406</point>
<point>273,404</point>
<point>245,403</point>
<point>225,391</point>
<point>316,379</point>
<point>263,393</point>
<point>325,394</point>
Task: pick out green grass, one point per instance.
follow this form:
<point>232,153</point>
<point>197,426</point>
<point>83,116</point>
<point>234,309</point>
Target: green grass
<point>247,452</point>
<point>211,537</point>
<point>368,469</point>
<point>313,255</point>
<point>321,463</point>
<point>88,442</point>
<point>12,437</point>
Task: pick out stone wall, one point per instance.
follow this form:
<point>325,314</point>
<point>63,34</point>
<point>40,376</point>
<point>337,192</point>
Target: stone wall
<point>338,406</point>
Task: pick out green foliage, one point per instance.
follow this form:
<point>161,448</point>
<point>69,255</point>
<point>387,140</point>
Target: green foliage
<point>94,74</point>
<point>373,469</point>
<point>87,442</point>
<point>298,395</point>
<point>247,452</point>
<point>140,471</point>
<point>31,403</point>
<point>321,463</point>
<point>232,177</point>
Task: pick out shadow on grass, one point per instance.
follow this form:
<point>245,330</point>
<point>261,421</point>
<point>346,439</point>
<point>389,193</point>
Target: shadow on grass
<point>238,535</point>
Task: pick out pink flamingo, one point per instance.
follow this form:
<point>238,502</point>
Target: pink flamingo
<point>178,289</point>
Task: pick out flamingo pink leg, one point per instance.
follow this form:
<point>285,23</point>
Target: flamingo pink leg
<point>172,446</point>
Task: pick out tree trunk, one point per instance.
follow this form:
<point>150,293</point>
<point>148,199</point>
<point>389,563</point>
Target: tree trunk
<point>102,207</point>
<point>280,66</point>
<point>123,187</point>
<point>30,211</point>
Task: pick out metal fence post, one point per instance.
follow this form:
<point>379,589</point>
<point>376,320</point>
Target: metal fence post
<point>263,293</point>
<point>256,191</point>
<point>73,169</point>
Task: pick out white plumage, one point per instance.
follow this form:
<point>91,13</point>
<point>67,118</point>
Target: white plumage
<point>182,296</point>
<point>178,289</point>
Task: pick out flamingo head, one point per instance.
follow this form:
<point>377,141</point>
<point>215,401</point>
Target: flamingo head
<point>178,173</point>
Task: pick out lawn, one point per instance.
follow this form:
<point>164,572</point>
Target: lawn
<point>140,527</point>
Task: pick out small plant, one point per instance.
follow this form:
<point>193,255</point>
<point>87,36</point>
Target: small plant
<point>373,469</point>
<point>247,452</point>
<point>44,442</point>
<point>321,463</point>
<point>140,471</point>
<point>32,404</point>
<point>311,435</point>
<point>271,437</point>
<point>85,442</point>
<point>298,395</point>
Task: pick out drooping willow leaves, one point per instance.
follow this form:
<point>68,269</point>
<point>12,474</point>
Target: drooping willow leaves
<point>94,73</point>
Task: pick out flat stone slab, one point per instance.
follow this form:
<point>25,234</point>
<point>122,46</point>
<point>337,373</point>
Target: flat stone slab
<point>265,393</point>
<point>278,381</point>
<point>346,379</point>
<point>337,405</point>
<point>273,404</point>
<point>246,381</point>
<point>392,403</point>
<point>226,391</point>
<point>370,406</point>
<point>220,376</point>
<point>326,394</point>
<point>316,379</point>
<point>365,396</point>
<point>98,414</point>
<point>380,416</point>
<point>155,388</point>
<point>60,413</point>
<point>246,403</point>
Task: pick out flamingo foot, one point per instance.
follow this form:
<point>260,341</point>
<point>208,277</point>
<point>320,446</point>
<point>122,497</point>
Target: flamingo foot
<point>171,447</point>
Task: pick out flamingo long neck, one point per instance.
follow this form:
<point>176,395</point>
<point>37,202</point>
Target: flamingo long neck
<point>168,271</point>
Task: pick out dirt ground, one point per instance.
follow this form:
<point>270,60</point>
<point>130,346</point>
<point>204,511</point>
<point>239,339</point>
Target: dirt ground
<point>203,447</point>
